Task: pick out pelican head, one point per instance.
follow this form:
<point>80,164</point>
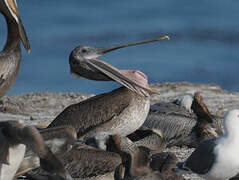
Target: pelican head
<point>84,63</point>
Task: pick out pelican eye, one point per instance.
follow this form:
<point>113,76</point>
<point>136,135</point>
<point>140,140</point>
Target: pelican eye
<point>83,51</point>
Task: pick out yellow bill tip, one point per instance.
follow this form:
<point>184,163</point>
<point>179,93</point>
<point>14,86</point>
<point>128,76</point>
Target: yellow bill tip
<point>151,91</point>
<point>167,37</point>
<point>29,50</point>
<point>158,132</point>
<point>164,37</point>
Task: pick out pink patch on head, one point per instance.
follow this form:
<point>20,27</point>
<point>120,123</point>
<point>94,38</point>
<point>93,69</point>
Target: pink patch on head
<point>136,76</point>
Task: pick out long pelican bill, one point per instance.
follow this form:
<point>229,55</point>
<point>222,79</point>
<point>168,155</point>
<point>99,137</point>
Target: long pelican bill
<point>106,50</point>
<point>12,6</point>
<point>23,36</point>
<point>117,76</point>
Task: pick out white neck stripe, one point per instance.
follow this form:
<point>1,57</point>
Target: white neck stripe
<point>10,9</point>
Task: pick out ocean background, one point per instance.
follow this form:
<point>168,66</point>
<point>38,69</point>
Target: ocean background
<point>204,45</point>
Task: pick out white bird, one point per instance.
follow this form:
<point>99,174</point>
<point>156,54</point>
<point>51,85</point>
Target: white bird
<point>217,159</point>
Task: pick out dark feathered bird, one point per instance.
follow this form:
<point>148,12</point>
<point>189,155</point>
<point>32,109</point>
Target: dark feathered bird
<point>137,162</point>
<point>181,126</point>
<point>80,160</point>
<point>121,111</point>
<point>84,161</point>
<point>10,56</point>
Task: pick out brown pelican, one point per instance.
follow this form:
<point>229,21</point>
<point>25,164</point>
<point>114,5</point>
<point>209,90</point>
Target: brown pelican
<point>183,126</point>
<point>10,56</point>
<point>137,163</point>
<point>84,161</point>
<point>136,158</point>
<point>121,111</point>
<point>14,138</point>
<point>80,160</point>
<point>162,164</point>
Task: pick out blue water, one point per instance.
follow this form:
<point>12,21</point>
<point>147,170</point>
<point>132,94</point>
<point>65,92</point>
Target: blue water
<point>204,45</point>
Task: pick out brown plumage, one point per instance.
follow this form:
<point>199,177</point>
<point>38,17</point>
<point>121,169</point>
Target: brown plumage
<point>10,56</point>
<point>139,164</point>
<point>121,111</point>
<point>181,126</point>
<point>80,160</point>
<point>83,161</point>
<point>88,162</point>
<point>136,160</point>
<point>149,138</point>
<point>165,163</point>
<point>207,127</point>
<point>117,112</point>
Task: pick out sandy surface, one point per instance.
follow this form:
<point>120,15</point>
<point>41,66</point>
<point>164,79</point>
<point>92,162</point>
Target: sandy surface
<point>41,108</point>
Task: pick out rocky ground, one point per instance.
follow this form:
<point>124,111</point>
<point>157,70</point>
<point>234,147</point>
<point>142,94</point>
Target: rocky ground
<point>41,108</point>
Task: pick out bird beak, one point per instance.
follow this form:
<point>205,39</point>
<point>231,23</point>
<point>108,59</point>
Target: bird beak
<point>12,6</point>
<point>23,36</point>
<point>118,76</point>
<point>109,49</point>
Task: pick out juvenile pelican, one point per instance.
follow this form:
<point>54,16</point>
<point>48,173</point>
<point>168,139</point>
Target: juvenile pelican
<point>10,56</point>
<point>183,126</point>
<point>82,161</point>
<point>121,111</point>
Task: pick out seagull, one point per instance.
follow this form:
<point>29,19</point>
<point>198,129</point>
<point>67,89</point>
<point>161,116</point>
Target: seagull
<point>217,159</point>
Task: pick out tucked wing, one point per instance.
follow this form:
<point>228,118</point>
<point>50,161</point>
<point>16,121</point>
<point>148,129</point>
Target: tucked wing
<point>90,162</point>
<point>85,162</point>
<point>4,69</point>
<point>94,111</point>
<point>175,123</point>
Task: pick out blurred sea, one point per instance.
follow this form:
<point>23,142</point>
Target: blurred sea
<point>204,45</point>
